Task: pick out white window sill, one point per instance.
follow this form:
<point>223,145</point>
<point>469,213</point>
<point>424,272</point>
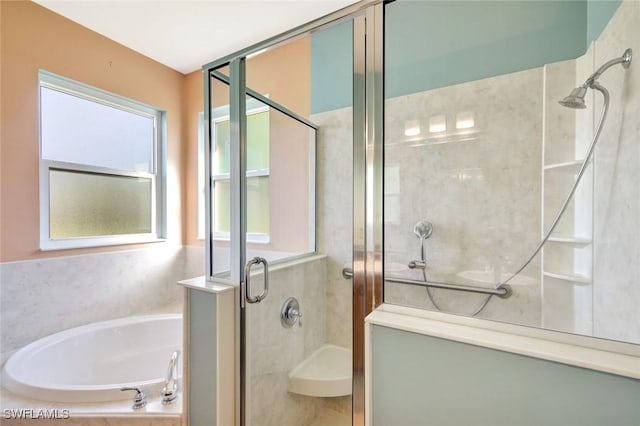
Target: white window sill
<point>87,242</point>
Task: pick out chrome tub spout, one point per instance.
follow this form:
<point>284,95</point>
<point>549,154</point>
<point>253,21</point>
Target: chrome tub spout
<point>170,389</point>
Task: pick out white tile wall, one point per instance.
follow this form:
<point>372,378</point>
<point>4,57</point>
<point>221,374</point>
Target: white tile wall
<point>479,186</point>
<point>41,297</point>
<point>335,217</point>
<point>617,193</point>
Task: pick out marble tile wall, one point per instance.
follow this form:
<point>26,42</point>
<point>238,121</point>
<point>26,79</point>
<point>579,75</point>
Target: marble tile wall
<point>477,183</point>
<point>113,413</point>
<point>103,421</point>
<point>41,297</point>
<point>335,217</point>
<point>275,350</point>
<point>616,192</point>
<point>335,229</point>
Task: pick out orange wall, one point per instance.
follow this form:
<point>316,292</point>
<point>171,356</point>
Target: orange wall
<point>35,38</point>
<point>194,102</point>
<point>284,73</point>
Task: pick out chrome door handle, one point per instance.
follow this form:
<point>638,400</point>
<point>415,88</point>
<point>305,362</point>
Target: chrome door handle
<point>247,280</point>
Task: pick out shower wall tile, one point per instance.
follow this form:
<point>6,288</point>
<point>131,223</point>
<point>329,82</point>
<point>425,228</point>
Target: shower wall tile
<point>335,217</point>
<point>275,350</point>
<point>617,193</point>
<point>479,185</point>
<point>41,297</point>
<point>560,122</point>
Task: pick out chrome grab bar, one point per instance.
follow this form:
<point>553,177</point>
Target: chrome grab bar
<point>247,280</point>
<point>503,291</point>
<point>347,273</point>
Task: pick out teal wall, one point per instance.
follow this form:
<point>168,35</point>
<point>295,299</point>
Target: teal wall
<point>422,380</point>
<point>431,44</point>
<point>332,68</point>
<point>599,12</point>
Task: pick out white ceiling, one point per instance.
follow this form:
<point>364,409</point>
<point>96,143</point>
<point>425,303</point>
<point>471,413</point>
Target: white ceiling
<point>186,34</point>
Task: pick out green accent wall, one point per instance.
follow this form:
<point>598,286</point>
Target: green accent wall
<point>599,12</point>
<point>432,44</point>
<point>332,68</point>
<point>424,380</point>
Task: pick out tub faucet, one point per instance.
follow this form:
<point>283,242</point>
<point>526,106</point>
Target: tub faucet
<point>139,399</point>
<point>170,389</point>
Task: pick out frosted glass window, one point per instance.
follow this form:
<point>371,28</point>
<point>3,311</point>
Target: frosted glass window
<point>91,204</point>
<point>101,167</point>
<point>83,131</point>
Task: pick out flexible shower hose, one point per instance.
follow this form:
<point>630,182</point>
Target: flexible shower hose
<point>585,163</point>
<point>583,168</point>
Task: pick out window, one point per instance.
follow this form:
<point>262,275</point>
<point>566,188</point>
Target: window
<point>101,167</point>
<point>258,219</point>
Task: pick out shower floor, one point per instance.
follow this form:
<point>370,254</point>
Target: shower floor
<point>332,418</point>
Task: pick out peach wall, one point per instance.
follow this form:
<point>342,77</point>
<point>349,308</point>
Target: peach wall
<point>35,38</point>
<point>194,102</point>
<point>284,74</point>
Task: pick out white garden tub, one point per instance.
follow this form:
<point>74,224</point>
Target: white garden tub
<point>92,362</point>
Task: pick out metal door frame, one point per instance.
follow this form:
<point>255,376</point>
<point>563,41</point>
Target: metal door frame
<point>368,140</point>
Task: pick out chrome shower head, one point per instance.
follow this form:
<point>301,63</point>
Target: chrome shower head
<point>576,97</point>
<point>423,229</point>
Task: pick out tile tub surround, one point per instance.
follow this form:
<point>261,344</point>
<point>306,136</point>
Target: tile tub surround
<point>41,297</point>
<point>104,421</point>
<point>116,413</point>
<point>616,193</point>
<point>480,187</point>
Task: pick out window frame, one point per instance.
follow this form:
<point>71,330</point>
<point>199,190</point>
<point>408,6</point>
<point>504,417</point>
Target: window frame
<point>157,173</point>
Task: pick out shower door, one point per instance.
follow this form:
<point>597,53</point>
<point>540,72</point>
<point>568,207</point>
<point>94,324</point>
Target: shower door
<point>283,290</point>
<point>280,224</point>
<point>304,318</point>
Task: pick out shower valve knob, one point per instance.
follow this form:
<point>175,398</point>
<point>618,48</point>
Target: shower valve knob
<point>293,314</point>
<point>290,313</point>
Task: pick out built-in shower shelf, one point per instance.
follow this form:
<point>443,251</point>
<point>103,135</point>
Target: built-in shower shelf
<point>569,165</point>
<point>570,240</point>
<point>326,372</point>
<point>574,278</point>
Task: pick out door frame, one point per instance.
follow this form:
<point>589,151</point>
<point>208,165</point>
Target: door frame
<point>368,140</point>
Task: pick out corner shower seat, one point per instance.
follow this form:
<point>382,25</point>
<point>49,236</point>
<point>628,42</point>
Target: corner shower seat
<point>325,373</point>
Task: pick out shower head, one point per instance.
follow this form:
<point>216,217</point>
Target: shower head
<point>576,97</point>
<point>423,229</point>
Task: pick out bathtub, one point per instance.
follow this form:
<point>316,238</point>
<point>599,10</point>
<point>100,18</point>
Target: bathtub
<point>92,362</point>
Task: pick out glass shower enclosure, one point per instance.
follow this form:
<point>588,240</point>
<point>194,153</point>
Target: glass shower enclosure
<point>279,227</point>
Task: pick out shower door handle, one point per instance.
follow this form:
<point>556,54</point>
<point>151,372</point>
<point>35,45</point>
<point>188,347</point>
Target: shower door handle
<point>247,280</point>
